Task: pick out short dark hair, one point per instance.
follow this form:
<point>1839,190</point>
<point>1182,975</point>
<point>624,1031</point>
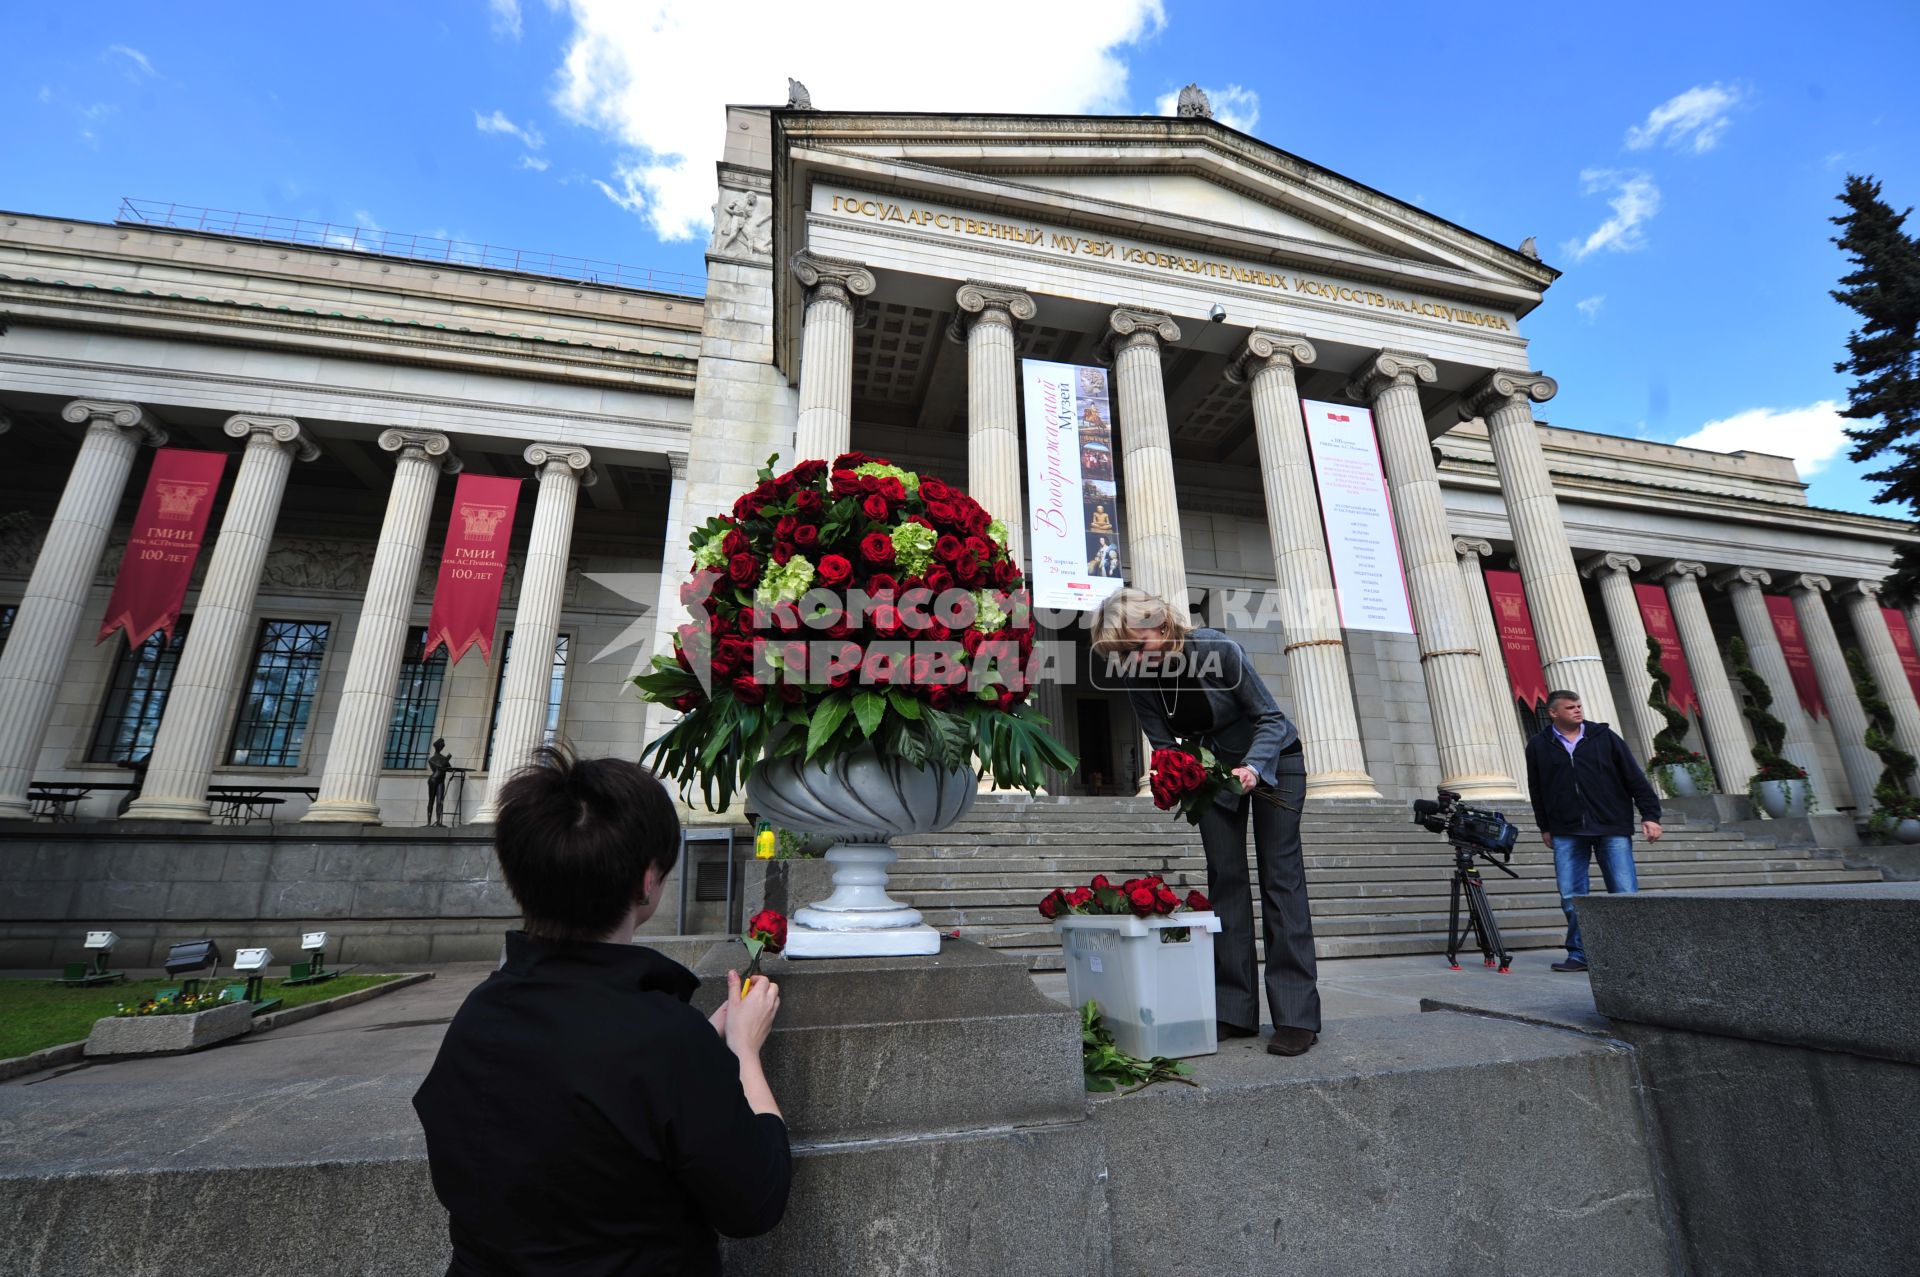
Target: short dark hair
<point>576,836</point>
<point>1554,698</point>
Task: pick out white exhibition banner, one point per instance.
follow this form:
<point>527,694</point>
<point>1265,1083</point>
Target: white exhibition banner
<point>1073,531</point>
<point>1367,574</point>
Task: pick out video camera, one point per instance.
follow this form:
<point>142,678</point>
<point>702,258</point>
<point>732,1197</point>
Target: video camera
<point>1470,829</point>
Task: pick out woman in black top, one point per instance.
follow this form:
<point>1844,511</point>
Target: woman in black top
<point>1197,685</point>
<point>581,1117</point>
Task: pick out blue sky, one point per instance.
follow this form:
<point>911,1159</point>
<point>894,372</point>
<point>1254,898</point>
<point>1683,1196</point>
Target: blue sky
<point>1677,162</point>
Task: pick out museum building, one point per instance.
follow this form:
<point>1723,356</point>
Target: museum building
<point>877,282</point>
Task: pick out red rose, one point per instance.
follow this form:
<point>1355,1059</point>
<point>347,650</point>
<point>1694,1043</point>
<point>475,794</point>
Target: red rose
<point>1099,881</point>
<point>782,551</point>
<point>851,460</point>
<point>940,697</point>
<point>770,928</point>
<point>1004,573</point>
<point>1164,901</point>
<point>977,521</point>
<point>748,692</point>
<point>942,511</point>
<point>743,569</point>
<point>932,489</point>
<point>835,570</point>
<point>876,547</point>
<point>1080,898</point>
<point>792,693</point>
<point>838,629</point>
<point>882,585</point>
<point>807,472</point>
<point>806,536</point>
<point>970,640</point>
<point>886,620</point>
<point>1198,902</point>
<point>1007,698</point>
<point>947,549</point>
<point>1141,898</point>
<point>1053,904</point>
<point>809,503</point>
<point>939,580</point>
<point>936,632</point>
<point>876,508</point>
<point>735,542</point>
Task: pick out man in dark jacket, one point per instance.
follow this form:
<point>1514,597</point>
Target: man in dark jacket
<point>1585,785</point>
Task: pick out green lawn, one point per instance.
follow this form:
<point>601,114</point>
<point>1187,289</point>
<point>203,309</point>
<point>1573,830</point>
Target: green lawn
<point>35,1014</point>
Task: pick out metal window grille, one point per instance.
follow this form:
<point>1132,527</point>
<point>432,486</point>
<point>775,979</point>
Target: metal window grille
<point>416,702</point>
<point>272,725</point>
<point>136,697</point>
<point>556,690</point>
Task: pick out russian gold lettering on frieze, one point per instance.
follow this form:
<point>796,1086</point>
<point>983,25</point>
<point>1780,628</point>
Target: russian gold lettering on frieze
<point>1064,243</point>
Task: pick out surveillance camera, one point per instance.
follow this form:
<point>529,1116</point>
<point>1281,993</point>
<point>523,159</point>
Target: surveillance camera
<point>1218,314</point>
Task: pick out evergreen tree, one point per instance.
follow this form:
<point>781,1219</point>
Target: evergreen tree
<point>1769,732</point>
<point>1883,354</point>
<point>1890,796</point>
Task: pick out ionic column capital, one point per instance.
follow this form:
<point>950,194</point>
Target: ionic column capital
<point>284,431</point>
<point>1809,583</point>
<point>677,465</point>
<point>562,458</point>
<point>1600,564</point>
<point>1390,368</point>
<point>1129,328</point>
<point>1505,386</point>
<point>1265,349</point>
<point>831,278</point>
<point>1678,568</point>
<point>129,418</point>
<point>1464,546</point>
<point>429,445</point>
<point>984,303</point>
<point>1741,576</point>
<point>1870,589</point>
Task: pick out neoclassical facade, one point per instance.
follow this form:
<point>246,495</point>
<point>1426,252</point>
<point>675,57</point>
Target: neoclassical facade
<point>873,282</point>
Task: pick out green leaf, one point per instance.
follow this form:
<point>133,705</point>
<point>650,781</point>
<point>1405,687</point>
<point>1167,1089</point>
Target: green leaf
<point>907,703</point>
<point>869,707</point>
<point>827,717</point>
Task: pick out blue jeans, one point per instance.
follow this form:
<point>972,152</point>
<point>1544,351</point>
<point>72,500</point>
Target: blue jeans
<point>1571,854</point>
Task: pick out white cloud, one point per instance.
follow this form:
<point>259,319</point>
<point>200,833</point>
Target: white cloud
<point>1694,119</point>
<point>533,162</point>
<point>1590,306</point>
<point>1233,106</point>
<point>1812,436</point>
<point>138,58</point>
<point>1634,199</point>
<point>499,123</point>
<point>506,17</point>
<point>46,93</point>
<point>369,241</point>
<point>644,73</point>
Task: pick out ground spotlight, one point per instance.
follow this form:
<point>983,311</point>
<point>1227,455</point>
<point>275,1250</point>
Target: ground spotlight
<point>101,944</point>
<point>254,963</point>
<point>314,969</point>
<point>192,955</point>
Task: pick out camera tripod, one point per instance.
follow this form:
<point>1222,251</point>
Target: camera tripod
<point>1467,881</point>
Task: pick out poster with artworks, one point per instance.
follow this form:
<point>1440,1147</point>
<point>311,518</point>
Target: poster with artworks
<point>1074,529</point>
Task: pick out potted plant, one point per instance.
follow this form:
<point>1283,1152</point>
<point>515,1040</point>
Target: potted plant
<point>1145,955</point>
<point>1895,810</point>
<point>1780,786</point>
<point>859,641</point>
<point>170,1023</point>
<point>1679,771</point>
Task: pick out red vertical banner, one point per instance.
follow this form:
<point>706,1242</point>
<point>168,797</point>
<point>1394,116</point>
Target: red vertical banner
<point>1656,611</point>
<point>168,531</point>
<point>1517,642</point>
<point>466,597</point>
<point>1903,644</point>
<point>1793,645</point>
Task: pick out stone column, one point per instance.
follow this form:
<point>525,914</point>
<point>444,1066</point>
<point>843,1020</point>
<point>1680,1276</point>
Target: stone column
<point>1883,660</point>
<point>1315,646</point>
<point>48,616</point>
<point>1158,560</point>
<point>1725,726</point>
<point>349,786</point>
<point>1513,745</point>
<point>676,566</point>
<point>561,470</point>
<point>824,428</point>
<point>993,398</point>
<point>208,676</point>
<point>1844,712</point>
<point>1743,587</point>
<point>1569,649</point>
<point>1614,574</point>
<point>1462,705</point>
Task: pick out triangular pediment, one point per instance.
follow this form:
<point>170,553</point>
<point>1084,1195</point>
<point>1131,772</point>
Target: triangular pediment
<point>1180,181</point>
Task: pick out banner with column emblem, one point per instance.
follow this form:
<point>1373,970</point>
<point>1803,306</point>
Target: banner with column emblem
<point>1368,578</point>
<point>1656,611</point>
<point>1903,644</point>
<point>1793,645</point>
<point>1517,642</point>
<point>466,597</point>
<point>168,530</point>
<point>1073,515</point>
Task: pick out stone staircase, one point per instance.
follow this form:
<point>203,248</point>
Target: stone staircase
<point>1379,883</point>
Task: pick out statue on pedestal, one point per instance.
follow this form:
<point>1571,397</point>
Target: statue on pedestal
<point>438,764</point>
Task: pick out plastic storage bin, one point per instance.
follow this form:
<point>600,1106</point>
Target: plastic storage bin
<point>1155,997</point>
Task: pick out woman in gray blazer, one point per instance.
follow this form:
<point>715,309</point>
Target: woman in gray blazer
<point>1196,685</point>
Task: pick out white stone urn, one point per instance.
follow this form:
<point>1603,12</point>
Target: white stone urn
<point>861,800</point>
<point>1679,780</point>
<point>1782,798</point>
<point>1907,831</point>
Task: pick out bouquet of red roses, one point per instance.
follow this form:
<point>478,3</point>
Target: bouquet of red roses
<point>1186,778</point>
<point>766,933</point>
<point>1148,897</point>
